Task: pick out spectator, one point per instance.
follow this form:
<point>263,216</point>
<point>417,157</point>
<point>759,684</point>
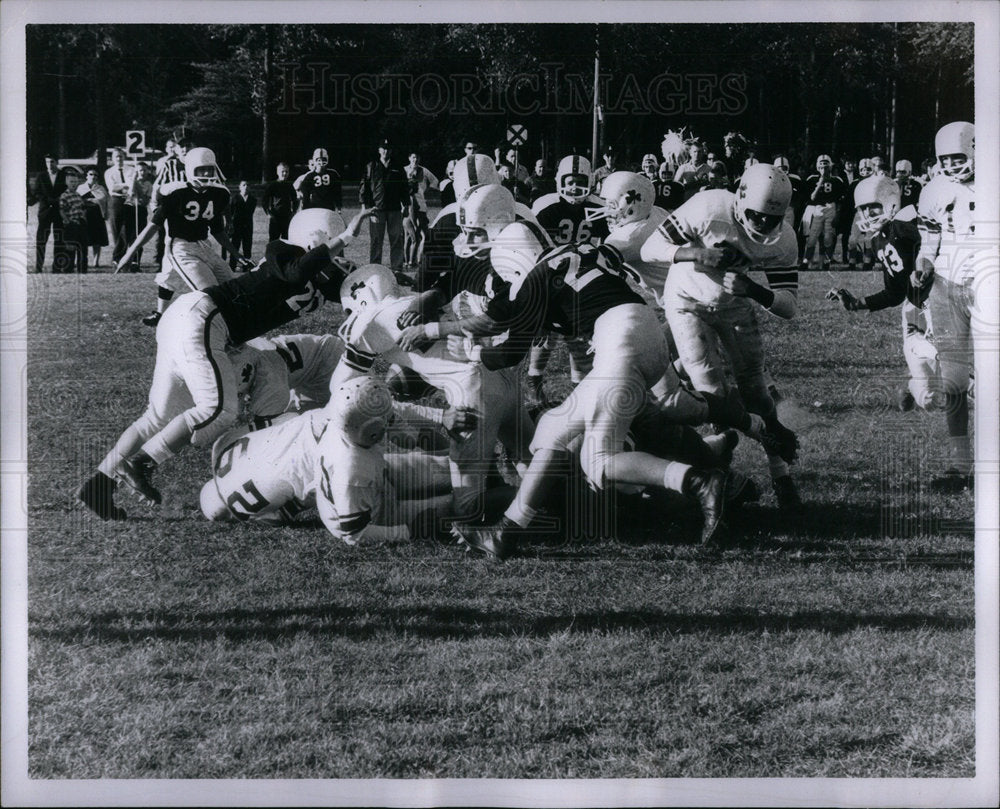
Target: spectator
<point>509,156</point>
<point>793,214</point>
<point>420,179</point>
<point>95,199</point>
<point>540,183</point>
<point>826,192</point>
<point>447,188</point>
<point>280,203</point>
<point>849,171</point>
<point>505,171</point>
<point>48,187</point>
<point>169,169</point>
<point>385,189</point>
<point>845,215</point>
<point>136,210</point>
<point>650,167</point>
<point>73,213</point>
<point>909,186</point>
<point>669,194</point>
<point>693,175</point>
<point>320,187</point>
<point>118,180</point>
<point>879,168</point>
<point>718,176</point>
<point>471,147</point>
<point>610,165</point>
<point>241,209</point>
<point>927,166</point>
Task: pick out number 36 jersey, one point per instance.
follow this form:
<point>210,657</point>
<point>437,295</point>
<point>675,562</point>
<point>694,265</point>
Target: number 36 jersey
<point>565,222</point>
<point>190,212</point>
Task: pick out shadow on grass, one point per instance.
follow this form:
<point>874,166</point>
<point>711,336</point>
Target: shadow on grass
<point>364,623</point>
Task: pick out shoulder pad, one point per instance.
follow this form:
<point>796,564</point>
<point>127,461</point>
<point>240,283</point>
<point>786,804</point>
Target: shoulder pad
<point>451,209</point>
<point>170,188</point>
<point>543,202</point>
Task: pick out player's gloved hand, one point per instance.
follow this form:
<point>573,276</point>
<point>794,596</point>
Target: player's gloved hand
<point>244,264</point>
<point>413,338</point>
<point>851,304</point>
<point>462,348</point>
<point>743,286</point>
<point>460,421</point>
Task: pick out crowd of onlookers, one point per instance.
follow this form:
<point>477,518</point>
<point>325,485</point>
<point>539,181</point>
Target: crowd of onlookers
<point>88,211</point>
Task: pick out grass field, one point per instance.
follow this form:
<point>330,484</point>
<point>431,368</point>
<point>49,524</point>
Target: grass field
<point>837,643</point>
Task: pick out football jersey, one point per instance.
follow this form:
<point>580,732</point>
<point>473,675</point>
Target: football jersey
<point>307,360</point>
<point>262,384</point>
<point>953,229</point>
<point>320,189</point>
<point>707,220</point>
<point>896,245</point>
<point>629,239</point>
<point>565,222</point>
<point>566,291</point>
<point>373,330</point>
<point>189,211</point>
<point>262,471</point>
<point>350,484</point>
<point>669,195</point>
<point>832,189</point>
<point>287,282</point>
<point>909,191</point>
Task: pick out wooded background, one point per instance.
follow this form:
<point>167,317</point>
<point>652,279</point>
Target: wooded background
<point>251,92</point>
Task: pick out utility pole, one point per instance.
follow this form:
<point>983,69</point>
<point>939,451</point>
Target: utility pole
<point>597,96</point>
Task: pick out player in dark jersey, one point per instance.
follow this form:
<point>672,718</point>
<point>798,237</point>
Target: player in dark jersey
<point>190,210</point>
<point>320,187</point>
<point>896,244</point>
<point>295,276</point>
<point>579,291</point>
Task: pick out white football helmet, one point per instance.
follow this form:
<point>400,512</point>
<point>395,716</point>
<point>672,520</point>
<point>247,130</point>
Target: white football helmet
<point>367,285</point>
<point>650,164</point>
<point>824,160</point>
<point>516,250</point>
<point>315,226</point>
<point>956,138</point>
<point>483,212</point>
<point>904,166</point>
<point>781,162</point>
<point>569,166</point>
<point>319,159</point>
<point>628,197</point>
<point>873,191</point>
<point>865,168</point>
<point>212,504</point>
<point>761,199</point>
<point>476,169</point>
<point>201,169</point>
<point>362,409</point>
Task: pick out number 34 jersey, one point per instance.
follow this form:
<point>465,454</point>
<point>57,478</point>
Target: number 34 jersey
<point>190,212</point>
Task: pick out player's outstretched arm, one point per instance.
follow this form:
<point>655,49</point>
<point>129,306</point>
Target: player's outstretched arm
<point>339,242</point>
<point>140,240</point>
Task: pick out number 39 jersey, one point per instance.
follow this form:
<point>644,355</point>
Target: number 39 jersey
<point>565,222</point>
<point>191,212</point>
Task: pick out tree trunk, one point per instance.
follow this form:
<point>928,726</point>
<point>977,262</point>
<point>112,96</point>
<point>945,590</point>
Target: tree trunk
<point>99,134</point>
<point>265,137</point>
<point>62,149</point>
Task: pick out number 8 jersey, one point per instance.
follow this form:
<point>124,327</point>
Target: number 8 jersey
<point>191,212</point>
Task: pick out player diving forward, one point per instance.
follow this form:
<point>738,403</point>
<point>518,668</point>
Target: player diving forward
<point>336,459</point>
<point>710,243</point>
<point>895,241</point>
<point>296,276</point>
<point>191,210</point>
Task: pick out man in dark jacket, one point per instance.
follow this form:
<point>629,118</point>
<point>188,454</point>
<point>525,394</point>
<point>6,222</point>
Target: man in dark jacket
<point>279,203</point>
<point>385,189</point>
<point>241,208</point>
<point>49,185</point>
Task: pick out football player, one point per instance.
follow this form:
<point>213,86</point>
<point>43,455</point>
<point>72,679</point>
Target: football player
<point>374,327</point>
<point>824,194</point>
<point>710,243</point>
<point>191,210</point>
<point>909,186</point>
<point>296,276</point>
<point>320,187</point>
<point>580,291</point>
<point>895,240</point>
<point>947,215</point>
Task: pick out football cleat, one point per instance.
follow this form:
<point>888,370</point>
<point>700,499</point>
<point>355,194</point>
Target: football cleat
<point>136,475</point>
<point>741,490</point>
<point>787,494</point>
<point>904,400</point>
<point>709,489</point>
<point>97,494</point>
<point>152,319</point>
<point>496,541</point>
<point>778,440</point>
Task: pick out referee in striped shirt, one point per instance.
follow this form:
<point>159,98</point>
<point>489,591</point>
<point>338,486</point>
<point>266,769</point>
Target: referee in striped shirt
<point>169,169</point>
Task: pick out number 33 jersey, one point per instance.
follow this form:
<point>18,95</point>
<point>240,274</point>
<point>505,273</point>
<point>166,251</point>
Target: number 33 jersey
<point>191,212</point>
<point>897,244</point>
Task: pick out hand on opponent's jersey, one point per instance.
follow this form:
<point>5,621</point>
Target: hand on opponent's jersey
<point>414,337</point>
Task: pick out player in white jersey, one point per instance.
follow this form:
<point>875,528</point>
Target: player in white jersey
<point>710,243</point>
<point>947,217</point>
<point>309,360</point>
<point>378,308</point>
